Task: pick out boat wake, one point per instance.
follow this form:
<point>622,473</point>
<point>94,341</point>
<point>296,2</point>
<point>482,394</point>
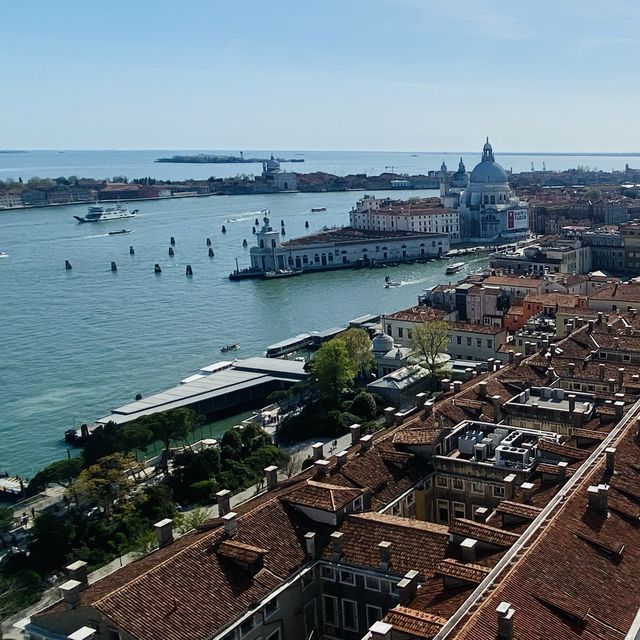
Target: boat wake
<point>248,215</point>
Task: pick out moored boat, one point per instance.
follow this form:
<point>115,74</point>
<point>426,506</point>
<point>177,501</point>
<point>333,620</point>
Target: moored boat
<point>230,347</point>
<point>282,273</point>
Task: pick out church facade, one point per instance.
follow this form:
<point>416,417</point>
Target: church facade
<point>488,208</point>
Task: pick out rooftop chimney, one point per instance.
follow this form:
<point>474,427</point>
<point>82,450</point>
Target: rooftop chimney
<point>601,370</point>
<point>591,325</point>
<point>224,502</point>
<point>365,442</point>
<point>496,401</point>
<point>481,514</point>
<point>509,484</point>
<point>355,434</point>
<point>517,358</point>
<point>572,369</point>
<point>83,633</point>
<point>336,545</point>
<point>310,543</point>
<point>230,524</point>
<point>271,474</point>
<point>322,467</point>
<point>428,407</point>
<point>380,631</point>
<point>572,402</point>
<point>598,497</point>
<point>616,343</point>
<point>317,449</point>
<point>406,587</point>
<point>482,389</point>
<point>468,550</point>
<point>70,592</point>
<point>618,407</point>
<point>341,459</point>
<point>505,620</point>
<point>600,316</point>
<point>610,453</point>
<point>446,385</point>
<point>78,571</point>
<point>420,399</point>
<point>628,330</point>
<point>620,376</point>
<point>527,492</point>
<point>384,549</point>
<point>457,385</point>
<point>609,327</point>
<point>562,470</point>
<point>164,531</point>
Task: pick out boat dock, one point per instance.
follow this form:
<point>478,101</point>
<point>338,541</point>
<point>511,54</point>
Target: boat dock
<point>216,388</point>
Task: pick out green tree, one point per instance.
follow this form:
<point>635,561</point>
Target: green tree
<point>103,441</point>
<point>431,339</point>
<point>105,482</point>
<point>333,369</point>
<point>364,406</point>
<point>136,435</point>
<point>192,520</point>
<point>359,348</point>
<point>61,472</point>
<point>173,425</point>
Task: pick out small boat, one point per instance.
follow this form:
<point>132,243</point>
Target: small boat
<point>230,347</point>
<point>3,254</point>
<point>388,283</point>
<point>453,268</point>
<point>282,273</point>
<point>318,209</point>
<point>120,232</point>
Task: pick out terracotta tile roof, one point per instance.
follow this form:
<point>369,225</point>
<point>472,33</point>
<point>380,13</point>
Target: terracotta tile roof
<point>418,436</point>
<point>518,509</point>
<point>550,469</point>
<point>575,580</point>
<point>476,328</point>
<point>472,573</point>
<point>629,292</point>
<point>417,314</point>
<point>241,552</point>
<point>563,451</point>
<point>514,281</point>
<point>482,532</point>
<point>415,545</point>
<point>320,495</point>
<point>417,624</point>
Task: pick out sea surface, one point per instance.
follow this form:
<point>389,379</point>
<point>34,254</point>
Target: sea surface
<point>75,344</point>
<point>138,164</point>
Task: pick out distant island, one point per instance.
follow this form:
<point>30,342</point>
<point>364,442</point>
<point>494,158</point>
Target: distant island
<point>201,158</point>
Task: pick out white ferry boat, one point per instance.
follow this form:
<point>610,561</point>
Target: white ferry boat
<point>454,268</point>
<point>100,213</point>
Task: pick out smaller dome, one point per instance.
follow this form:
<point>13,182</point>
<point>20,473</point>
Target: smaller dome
<point>443,167</point>
<point>382,343</point>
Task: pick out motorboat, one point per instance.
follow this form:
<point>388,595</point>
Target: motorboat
<point>101,213</point>
<point>120,232</point>
<point>453,268</point>
<point>388,283</point>
<point>230,347</point>
<point>282,273</point>
<point>318,209</point>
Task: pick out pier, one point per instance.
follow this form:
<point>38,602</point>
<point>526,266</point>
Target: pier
<point>216,388</point>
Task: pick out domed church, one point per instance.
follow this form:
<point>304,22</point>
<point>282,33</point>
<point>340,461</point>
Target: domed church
<point>487,206</point>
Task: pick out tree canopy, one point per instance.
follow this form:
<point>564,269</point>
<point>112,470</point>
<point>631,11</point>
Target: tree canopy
<point>358,347</point>
<point>333,368</point>
<point>431,339</point>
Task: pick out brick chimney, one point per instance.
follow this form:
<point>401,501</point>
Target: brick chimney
<point>496,401</point>
<point>70,593</point>
<point>598,498</point>
<point>380,631</point>
<point>572,368</point>
<point>572,402</point>
<point>600,316</point>
<point>341,459</point>
<point>224,502</point>
<point>336,546</point>
<point>310,543</point>
<point>428,407</point>
<point>620,376</point>
<point>505,620</point>
<point>406,587</point>
<point>384,549</point>
<point>457,385</point>
<point>562,470</point>
<point>230,524</point>
<point>354,429</point>
<point>271,475</point>
<point>509,485</point>
<point>601,370</point>
<point>481,514</point>
<point>482,389</point>
<point>164,531</point>
<point>527,492</point>
<point>322,468</point>
<point>317,450</point>
<point>446,385</point>
<point>618,407</point>
<point>468,550</point>
<point>420,399</point>
<point>78,571</point>
<point>365,442</point>
<point>610,453</point>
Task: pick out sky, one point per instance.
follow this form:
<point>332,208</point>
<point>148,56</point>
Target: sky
<point>414,75</point>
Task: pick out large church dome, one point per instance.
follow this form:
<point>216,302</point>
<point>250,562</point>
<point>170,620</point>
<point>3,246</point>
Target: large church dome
<point>488,171</point>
